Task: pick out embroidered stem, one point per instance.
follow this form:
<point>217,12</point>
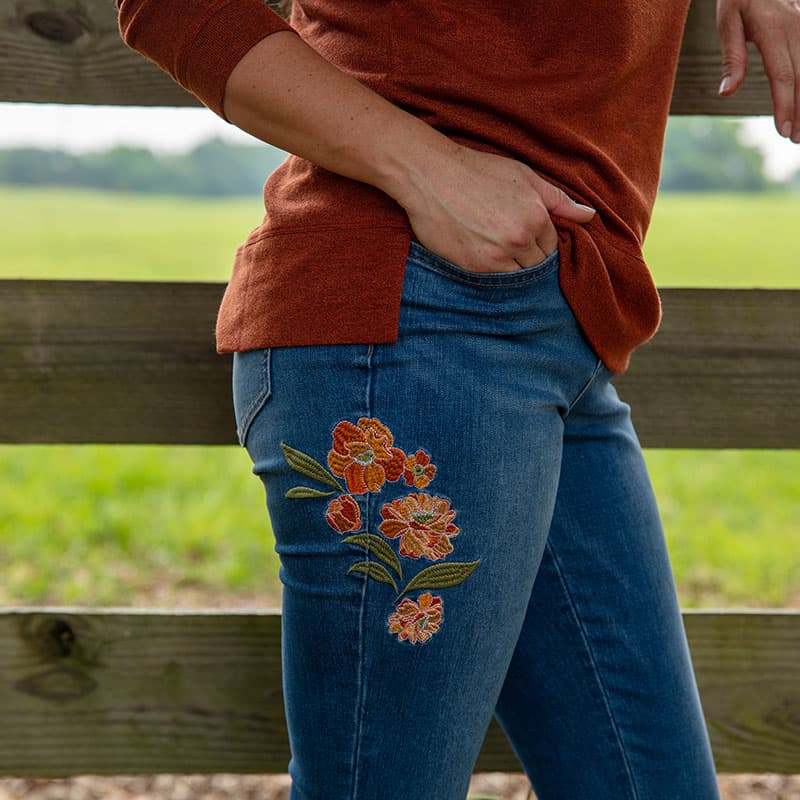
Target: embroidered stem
<point>303,492</point>
<point>373,543</point>
<point>374,570</point>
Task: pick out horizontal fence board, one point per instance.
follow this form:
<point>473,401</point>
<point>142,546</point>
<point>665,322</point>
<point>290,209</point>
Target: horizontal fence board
<point>129,691</point>
<point>131,362</point>
<point>57,51</point>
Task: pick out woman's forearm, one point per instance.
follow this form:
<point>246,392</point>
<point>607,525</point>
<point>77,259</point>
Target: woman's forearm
<point>284,93</point>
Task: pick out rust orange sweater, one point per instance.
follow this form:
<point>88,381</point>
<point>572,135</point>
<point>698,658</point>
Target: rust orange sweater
<point>580,92</point>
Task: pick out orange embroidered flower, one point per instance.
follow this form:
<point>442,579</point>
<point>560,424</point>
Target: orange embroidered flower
<point>363,455</point>
<point>424,524</point>
<point>417,621</point>
<point>418,470</point>
<point>343,514</point>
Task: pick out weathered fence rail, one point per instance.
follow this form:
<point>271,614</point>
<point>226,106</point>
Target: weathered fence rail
<point>130,691</point>
<point>123,361</point>
<point>116,692</point>
<point>69,51</point>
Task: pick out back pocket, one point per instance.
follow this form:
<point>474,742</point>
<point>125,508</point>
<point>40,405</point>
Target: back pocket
<point>252,387</point>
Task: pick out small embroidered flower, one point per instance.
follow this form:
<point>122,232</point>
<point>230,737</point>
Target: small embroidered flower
<point>418,470</point>
<point>343,514</point>
<point>363,455</point>
<point>424,524</point>
<point>417,622</point>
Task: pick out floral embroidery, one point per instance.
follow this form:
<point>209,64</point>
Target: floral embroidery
<point>343,514</point>
<point>417,621</point>
<point>418,470</point>
<point>363,455</point>
<point>423,523</point>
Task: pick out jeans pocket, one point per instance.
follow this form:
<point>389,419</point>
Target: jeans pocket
<point>421,256</point>
<point>252,387</point>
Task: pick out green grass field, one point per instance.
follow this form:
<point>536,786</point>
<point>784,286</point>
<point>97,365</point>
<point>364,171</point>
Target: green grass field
<point>147,525</point>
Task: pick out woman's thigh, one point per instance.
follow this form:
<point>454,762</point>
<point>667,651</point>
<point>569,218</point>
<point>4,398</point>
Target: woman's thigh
<point>600,698</point>
<point>411,487</point>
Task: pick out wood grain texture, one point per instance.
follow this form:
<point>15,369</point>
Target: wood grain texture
<point>70,51</point>
<point>131,691</point>
<point>131,362</point>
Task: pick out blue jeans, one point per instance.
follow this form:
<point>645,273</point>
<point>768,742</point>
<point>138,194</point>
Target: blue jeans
<point>466,527</point>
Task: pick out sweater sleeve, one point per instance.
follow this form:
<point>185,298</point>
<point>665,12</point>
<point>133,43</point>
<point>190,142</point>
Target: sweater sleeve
<point>197,42</point>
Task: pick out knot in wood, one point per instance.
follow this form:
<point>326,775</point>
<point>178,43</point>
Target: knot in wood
<point>57,26</point>
<point>62,637</point>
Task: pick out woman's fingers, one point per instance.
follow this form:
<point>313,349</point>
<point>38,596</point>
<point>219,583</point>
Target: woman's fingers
<point>794,51</point>
<point>774,27</point>
<point>734,47</point>
<point>782,79</point>
<point>558,202</point>
<point>535,238</point>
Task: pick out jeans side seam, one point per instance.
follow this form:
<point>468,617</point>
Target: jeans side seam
<point>597,367</point>
<point>360,681</point>
<point>585,639</point>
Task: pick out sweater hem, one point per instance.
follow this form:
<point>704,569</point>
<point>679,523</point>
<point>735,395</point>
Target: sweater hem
<point>354,299</point>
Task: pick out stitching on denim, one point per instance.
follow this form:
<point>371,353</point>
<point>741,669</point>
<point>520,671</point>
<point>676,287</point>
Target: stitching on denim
<point>585,638</point>
<point>595,372</point>
<point>263,395</point>
<point>361,691</point>
<point>436,263</point>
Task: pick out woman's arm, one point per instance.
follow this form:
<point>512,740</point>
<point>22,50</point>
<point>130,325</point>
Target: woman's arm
<point>482,211</point>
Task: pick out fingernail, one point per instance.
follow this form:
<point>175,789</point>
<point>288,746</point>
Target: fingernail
<point>786,129</point>
<point>726,82</point>
<point>586,208</point>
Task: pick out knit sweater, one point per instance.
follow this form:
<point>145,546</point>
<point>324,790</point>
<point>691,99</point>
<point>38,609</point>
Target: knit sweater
<point>580,92</point>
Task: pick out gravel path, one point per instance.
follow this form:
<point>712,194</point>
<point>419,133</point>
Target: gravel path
<point>276,787</point>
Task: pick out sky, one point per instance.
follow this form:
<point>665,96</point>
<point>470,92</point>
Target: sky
<point>80,128</point>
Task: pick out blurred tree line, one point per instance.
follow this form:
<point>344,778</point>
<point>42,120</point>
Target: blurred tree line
<point>700,154</point>
<point>708,154</point>
<point>214,168</point>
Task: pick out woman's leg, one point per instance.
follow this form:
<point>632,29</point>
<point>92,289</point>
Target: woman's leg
<point>600,700</point>
<point>411,489</point>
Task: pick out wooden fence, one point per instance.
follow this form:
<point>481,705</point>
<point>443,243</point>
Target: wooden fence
<point>131,691</point>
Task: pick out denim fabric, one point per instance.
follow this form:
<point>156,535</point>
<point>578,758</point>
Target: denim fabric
<point>470,530</point>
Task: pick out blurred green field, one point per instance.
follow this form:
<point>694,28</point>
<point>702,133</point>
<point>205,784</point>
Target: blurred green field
<point>165,526</point>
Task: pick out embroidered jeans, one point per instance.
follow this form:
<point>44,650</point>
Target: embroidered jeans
<point>466,528</point>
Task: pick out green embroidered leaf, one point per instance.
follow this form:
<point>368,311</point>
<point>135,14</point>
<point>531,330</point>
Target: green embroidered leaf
<point>369,541</point>
<point>374,570</point>
<point>306,465</point>
<point>301,492</point>
<point>441,576</point>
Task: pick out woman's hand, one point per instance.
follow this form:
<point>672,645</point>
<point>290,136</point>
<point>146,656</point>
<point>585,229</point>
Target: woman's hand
<point>774,27</point>
<point>485,212</point>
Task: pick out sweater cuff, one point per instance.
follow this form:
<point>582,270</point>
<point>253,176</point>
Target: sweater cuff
<point>197,44</point>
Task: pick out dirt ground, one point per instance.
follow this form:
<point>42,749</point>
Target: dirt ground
<point>276,787</point>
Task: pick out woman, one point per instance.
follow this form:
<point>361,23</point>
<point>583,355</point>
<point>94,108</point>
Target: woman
<point>424,327</point>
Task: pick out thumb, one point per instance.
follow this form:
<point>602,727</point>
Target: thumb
<point>734,49</point>
<point>557,202</point>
